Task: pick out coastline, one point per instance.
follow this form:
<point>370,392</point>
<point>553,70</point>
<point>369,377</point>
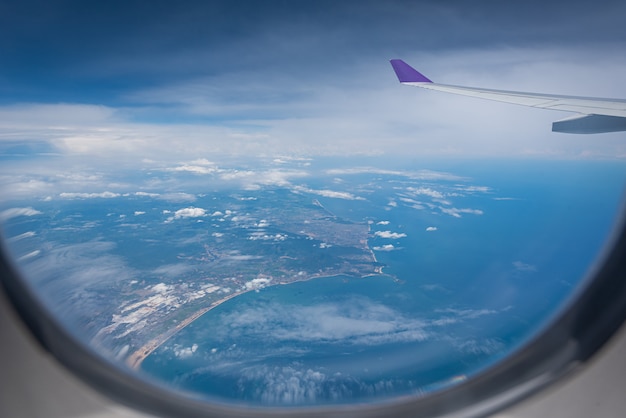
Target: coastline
<point>135,359</point>
<point>138,356</point>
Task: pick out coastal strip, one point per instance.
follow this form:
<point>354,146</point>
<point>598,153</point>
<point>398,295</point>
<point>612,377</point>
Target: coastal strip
<point>136,358</point>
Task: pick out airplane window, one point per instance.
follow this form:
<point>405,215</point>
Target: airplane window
<point>239,205</point>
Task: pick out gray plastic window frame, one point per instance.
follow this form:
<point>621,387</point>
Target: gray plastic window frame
<point>580,329</point>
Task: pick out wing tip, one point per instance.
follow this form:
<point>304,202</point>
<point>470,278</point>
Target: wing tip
<point>406,73</point>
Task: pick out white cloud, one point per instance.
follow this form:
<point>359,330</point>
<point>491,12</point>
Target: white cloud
<point>431,228</point>
<point>253,180</point>
<point>139,212</point>
<point>196,169</point>
<point>184,352</point>
<point>328,193</point>
<point>190,212</point>
<point>161,288</point>
<point>457,212</point>
<point>7,214</point>
<point>102,195</point>
<point>474,189</point>
<point>178,197</point>
<point>146,194</point>
<point>342,118</point>
<point>29,255</point>
<point>383,223</point>
<point>427,191</point>
<point>414,175</point>
<point>258,283</point>
<point>386,247</point>
<point>389,234</point>
<point>20,236</point>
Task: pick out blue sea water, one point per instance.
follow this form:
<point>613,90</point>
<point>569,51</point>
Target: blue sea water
<point>471,273</point>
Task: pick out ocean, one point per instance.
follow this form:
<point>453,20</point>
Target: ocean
<point>478,257</point>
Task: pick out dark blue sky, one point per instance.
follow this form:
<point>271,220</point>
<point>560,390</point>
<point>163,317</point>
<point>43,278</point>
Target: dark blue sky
<point>274,70</point>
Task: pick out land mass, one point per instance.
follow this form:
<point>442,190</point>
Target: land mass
<point>255,247</point>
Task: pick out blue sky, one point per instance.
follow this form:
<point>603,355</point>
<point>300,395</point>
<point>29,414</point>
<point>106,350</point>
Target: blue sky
<point>173,80</point>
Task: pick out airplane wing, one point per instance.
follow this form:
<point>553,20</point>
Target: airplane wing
<point>595,115</point>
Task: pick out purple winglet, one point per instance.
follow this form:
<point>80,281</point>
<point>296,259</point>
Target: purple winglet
<point>406,73</point>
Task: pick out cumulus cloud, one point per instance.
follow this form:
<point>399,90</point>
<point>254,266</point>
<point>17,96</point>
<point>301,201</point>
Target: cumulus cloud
<point>386,247</point>
<point>190,212</point>
<point>7,214</point>
<point>258,283</point>
<point>184,352</point>
<point>426,191</point>
<point>139,212</point>
<point>389,234</point>
<point>431,228</point>
<point>383,223</point>
<point>161,288</point>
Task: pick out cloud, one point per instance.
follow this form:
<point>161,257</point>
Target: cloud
<point>139,212</point>
<point>414,175</point>
<point>455,212</point>
<point>382,223</point>
<point>184,352</point>
<point>199,166</point>
<point>431,228</point>
<point>386,247</point>
<point>258,283</point>
<point>389,234</point>
<point>328,193</point>
<point>255,179</point>
<point>101,195</point>
<point>178,197</point>
<point>29,255</point>
<point>190,212</point>
<point>357,321</point>
<point>146,194</point>
<point>474,189</point>
<point>88,268</point>
<point>20,236</point>
<point>173,270</point>
<point>521,266</point>
<point>7,214</point>
<point>427,191</point>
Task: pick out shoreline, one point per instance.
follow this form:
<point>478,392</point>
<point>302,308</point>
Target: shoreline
<point>138,356</point>
<point>135,359</point>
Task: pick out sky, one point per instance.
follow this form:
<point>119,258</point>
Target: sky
<point>162,80</point>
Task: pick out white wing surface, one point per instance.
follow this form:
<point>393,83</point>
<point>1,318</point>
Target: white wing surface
<point>595,115</point>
